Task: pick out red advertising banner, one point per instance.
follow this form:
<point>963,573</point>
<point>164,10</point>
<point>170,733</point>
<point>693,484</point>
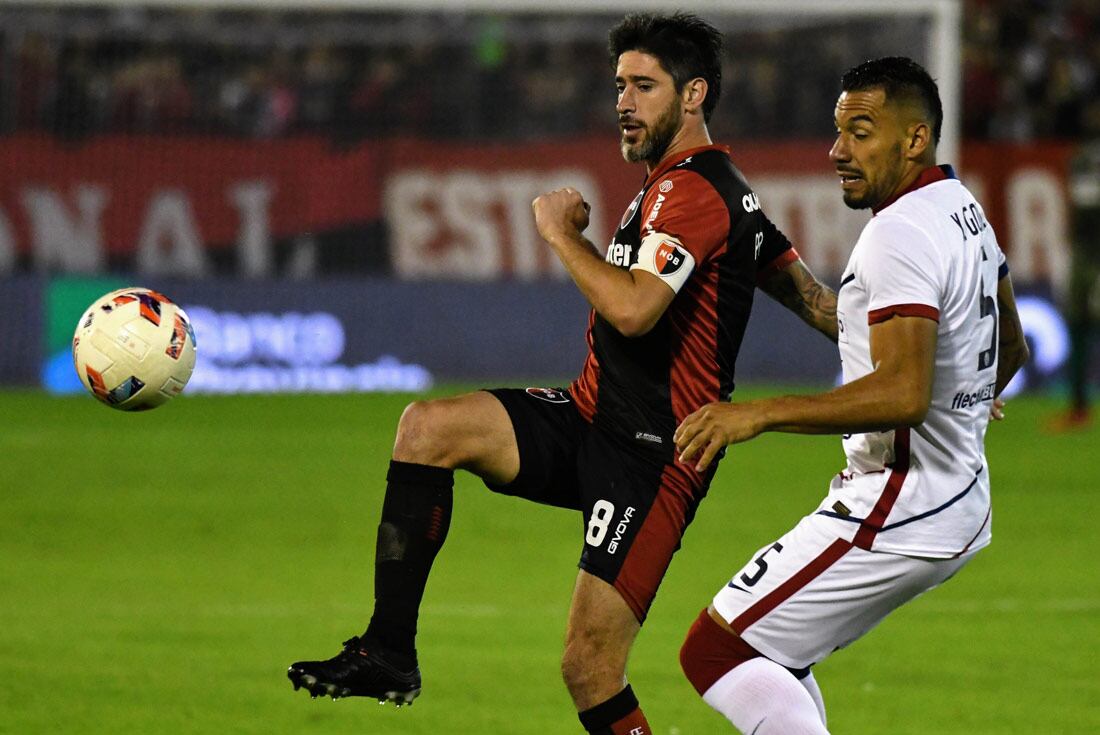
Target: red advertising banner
<point>168,199</point>
<point>464,210</point>
<point>452,210</point>
<point>1023,189</point>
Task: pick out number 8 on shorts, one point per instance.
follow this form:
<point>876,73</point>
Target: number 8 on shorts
<point>602,513</point>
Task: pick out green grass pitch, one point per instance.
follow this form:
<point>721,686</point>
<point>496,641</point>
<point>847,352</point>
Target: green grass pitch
<point>159,571</point>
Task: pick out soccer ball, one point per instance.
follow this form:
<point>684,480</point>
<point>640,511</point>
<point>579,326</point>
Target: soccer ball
<point>134,349</point>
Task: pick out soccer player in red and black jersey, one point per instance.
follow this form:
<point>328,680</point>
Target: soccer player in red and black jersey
<point>670,301</point>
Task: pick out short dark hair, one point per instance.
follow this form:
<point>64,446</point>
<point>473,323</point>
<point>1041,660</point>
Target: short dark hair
<point>685,45</point>
<point>902,79</point>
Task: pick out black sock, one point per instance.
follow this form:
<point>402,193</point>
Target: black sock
<point>415,517</point>
<point>620,715</point>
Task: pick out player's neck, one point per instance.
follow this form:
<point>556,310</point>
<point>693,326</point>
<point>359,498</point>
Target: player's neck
<point>686,139</point>
<point>910,175</point>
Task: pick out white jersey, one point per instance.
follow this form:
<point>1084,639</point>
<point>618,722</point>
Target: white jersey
<point>923,491</point>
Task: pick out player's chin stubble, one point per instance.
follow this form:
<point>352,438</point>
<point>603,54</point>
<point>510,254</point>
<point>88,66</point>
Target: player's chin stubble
<point>873,197</point>
<point>854,202</point>
<point>657,138</point>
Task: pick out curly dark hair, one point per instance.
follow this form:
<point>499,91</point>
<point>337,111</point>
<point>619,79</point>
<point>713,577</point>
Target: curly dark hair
<point>902,79</point>
<point>686,46</point>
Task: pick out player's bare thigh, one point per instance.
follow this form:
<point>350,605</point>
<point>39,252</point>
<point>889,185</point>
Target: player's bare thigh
<point>471,432</point>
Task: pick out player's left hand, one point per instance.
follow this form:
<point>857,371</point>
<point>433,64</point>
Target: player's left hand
<point>704,433</point>
<point>560,212</point>
<point>997,411</point>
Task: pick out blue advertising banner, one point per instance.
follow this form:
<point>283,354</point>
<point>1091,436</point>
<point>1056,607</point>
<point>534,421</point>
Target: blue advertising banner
<point>386,335</point>
<point>21,329</point>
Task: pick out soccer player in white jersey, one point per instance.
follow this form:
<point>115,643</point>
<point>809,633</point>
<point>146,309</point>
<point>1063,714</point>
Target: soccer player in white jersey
<point>929,336</point>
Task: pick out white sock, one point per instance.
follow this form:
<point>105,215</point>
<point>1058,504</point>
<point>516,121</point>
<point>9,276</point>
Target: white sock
<point>815,692</point>
<point>760,697</point>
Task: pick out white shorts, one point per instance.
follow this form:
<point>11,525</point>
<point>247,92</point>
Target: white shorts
<point>812,592</point>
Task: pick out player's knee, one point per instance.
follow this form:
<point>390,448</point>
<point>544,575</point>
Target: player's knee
<point>573,671</point>
<point>587,666</point>
<point>579,671</point>
<point>421,435</point>
<point>710,651</point>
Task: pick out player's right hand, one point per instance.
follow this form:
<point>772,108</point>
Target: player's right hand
<point>562,212</point>
<point>704,433</point>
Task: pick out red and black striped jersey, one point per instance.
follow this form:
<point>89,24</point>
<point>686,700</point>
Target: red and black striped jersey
<point>695,213</point>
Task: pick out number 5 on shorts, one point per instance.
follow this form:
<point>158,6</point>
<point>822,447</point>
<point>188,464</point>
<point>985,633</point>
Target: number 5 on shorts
<point>761,567</point>
<point>602,513</point>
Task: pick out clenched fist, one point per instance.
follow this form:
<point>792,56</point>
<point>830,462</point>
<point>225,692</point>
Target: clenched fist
<point>560,213</point>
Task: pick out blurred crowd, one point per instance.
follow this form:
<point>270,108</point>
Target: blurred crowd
<point>268,74</point>
<point>1030,70</point>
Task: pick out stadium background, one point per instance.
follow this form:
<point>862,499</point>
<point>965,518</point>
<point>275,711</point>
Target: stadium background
<point>340,198</point>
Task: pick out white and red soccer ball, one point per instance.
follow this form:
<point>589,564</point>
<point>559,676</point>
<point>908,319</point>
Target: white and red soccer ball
<point>134,349</point>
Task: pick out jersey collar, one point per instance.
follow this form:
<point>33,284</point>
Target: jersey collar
<point>928,176</point>
<point>678,158</point>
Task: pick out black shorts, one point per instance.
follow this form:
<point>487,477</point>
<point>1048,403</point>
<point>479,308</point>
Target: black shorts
<point>636,504</point>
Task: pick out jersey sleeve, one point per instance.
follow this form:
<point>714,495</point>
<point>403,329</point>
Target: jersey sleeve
<point>776,251</point>
<point>901,272</point>
<point>1002,262</point>
<point>685,220</point>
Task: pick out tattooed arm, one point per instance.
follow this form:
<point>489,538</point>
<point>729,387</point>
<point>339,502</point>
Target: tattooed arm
<point>797,289</point>
<point>1012,350</point>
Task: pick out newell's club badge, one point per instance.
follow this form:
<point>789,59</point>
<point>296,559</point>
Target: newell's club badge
<point>668,258</point>
<point>632,209</point>
<point>550,395</point>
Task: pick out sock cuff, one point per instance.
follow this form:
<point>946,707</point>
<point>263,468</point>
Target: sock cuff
<point>420,474</point>
<point>710,652</point>
<point>607,713</point>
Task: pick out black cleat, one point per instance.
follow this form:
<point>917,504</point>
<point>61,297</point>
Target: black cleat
<point>360,670</point>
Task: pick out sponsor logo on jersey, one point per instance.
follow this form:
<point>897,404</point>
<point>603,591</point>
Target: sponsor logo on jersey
<point>550,395</point>
<point>632,209</point>
<point>647,437</point>
<point>966,400</point>
<point>653,212</point>
<point>666,186</point>
<point>620,530</point>
<point>668,258</point>
<point>618,254</point>
<point>750,202</point>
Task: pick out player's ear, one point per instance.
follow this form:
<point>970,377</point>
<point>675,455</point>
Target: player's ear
<point>693,94</point>
<point>919,139</point>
